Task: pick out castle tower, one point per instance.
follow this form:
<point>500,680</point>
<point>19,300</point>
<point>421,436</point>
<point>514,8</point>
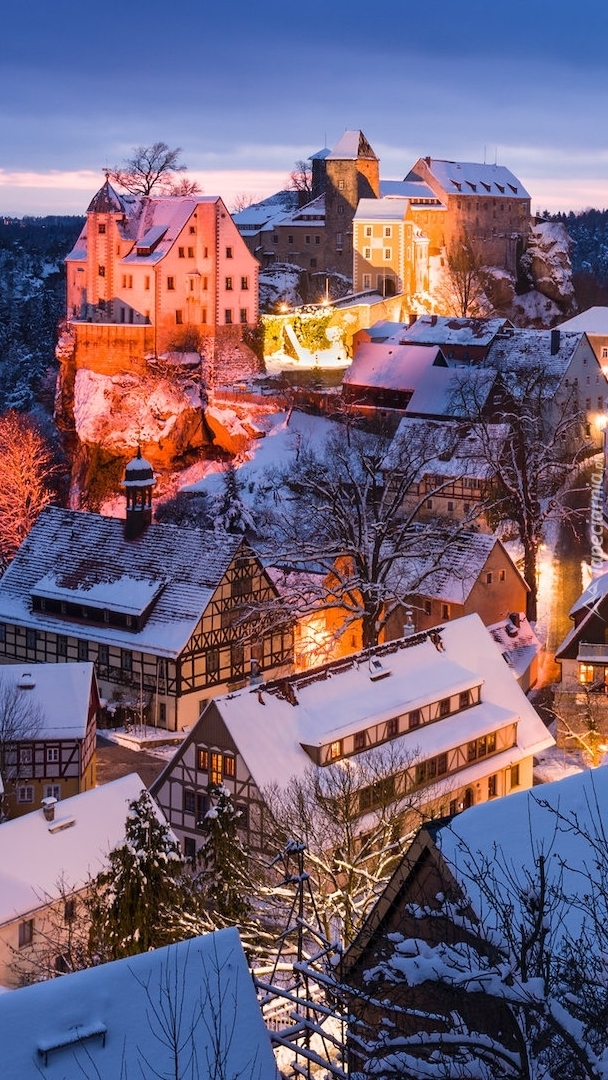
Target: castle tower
<point>352,173</point>
<point>138,483</point>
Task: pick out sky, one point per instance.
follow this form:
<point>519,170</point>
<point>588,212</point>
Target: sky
<point>247,89</point>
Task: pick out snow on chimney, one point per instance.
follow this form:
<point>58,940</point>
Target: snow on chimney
<point>48,808</point>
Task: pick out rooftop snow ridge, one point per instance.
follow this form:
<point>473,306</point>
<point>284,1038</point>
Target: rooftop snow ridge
<point>286,687</point>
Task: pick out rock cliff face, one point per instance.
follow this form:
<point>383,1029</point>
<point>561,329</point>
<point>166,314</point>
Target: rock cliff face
<point>547,264</point>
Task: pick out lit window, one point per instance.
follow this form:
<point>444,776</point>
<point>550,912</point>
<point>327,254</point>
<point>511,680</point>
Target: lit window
<point>203,760</point>
<point>335,749</point>
<point>502,575</point>
<point>586,673</point>
<point>215,774</point>
<point>515,775</point>
<point>229,765</point>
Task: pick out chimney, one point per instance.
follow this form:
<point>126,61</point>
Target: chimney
<point>554,342</point>
<point>408,626</point>
<point>48,808</point>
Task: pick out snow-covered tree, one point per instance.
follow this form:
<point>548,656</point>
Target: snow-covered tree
<point>154,167</point>
<point>462,292</point>
<point>354,818</point>
<point>231,513</point>
<point>28,478</point>
<point>130,901</point>
<point>222,861</point>
<point>340,509</point>
<point>501,975</point>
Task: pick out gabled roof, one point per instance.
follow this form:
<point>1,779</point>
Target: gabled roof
<point>524,350</point>
<point>113,1020</point>
<point>592,321</point>
<point>60,695</point>
<point>86,557</point>
<point>447,573</point>
<point>270,724</point>
<point>352,144</point>
<point>381,209</point>
<point>450,330</point>
<point>391,367</point>
<point>583,611</point>
<point>71,848</point>
<point>460,451</point>
<point>473,178</point>
<point>416,191</point>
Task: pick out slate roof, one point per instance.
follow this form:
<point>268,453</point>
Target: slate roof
<point>85,556</point>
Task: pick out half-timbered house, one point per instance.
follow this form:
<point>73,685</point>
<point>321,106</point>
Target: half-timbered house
<point>169,616</point>
<point>49,733</point>
<point>466,731</point>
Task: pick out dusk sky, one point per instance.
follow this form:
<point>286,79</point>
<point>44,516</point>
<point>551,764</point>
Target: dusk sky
<point>246,89</point>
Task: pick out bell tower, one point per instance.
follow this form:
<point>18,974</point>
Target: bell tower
<point>138,483</point>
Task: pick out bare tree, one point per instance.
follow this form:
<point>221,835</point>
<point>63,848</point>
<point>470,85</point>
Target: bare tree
<point>354,818</point>
<point>346,510</point>
<point>537,464</point>
<point>463,291</point>
<point>154,167</point>
<point>241,201</point>
<point>300,179</point>
<point>28,480</point>
<point>21,721</point>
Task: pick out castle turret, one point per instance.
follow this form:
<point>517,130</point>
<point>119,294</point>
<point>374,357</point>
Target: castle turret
<point>138,483</point>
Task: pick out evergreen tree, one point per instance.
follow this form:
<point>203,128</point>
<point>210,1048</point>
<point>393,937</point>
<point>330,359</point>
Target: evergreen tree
<point>232,516</point>
<point>130,900</point>
<point>223,861</point>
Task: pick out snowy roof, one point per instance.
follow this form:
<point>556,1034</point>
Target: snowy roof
<point>437,390</point>
<point>460,451</point>
<point>521,350</point>
<point>114,1019</point>
<point>381,209</point>
<point>413,190</point>
<point>85,557</point>
<point>448,330</point>
<point>473,178</point>
<point>252,218</point>
<point>458,567</point>
<point>341,698</point>
<point>587,605</point>
<point>352,144</point>
<point>59,693</point>
<point>511,834</point>
<point>390,366</point>
<point>71,848</point>
<point>592,321</point>
<point>307,216</point>
<point>517,642</point>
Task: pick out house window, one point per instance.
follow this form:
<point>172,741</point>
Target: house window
<point>313,264</point>
<point>388,230</point>
<point>51,791</point>
<point>367,281</point>
<point>427,605</point>
<point>243,816</point>
<point>335,750</point>
<point>103,655</point>
<point>204,315</point>
<point>229,765</point>
<point>26,933</point>
<point>202,761</point>
<point>83,650</point>
<point>586,673</point>
<point>228,316</point>
<point>367,253</point>
<point>189,802</point>
<point>190,252</point>
<point>368,230</point>
<point>450,507</point>
<point>189,847</point>
<point>442,764</point>
<point>429,504</point>
<point>604,352</point>
<point>463,700</point>
<point>126,660</point>
<point>25,793</point>
<point>202,806</point>
<point>339,242</point>
<point>170,284</point>
<point>317,239</point>
<point>101,270</point>
<point>213,663</point>
<point>340,185</point>
<point>388,254</point>
<point>243,315</point>
<point>101,228</point>
<point>445,611</point>
<point>489,577</point>
<point>492,786</point>
<point>275,239</point>
<point>360,740</point>
<point>179,317</point>
<point>392,727</point>
<point>228,252</point>
<point>502,575</point>
<point>181,252</point>
<point>413,719</point>
<point>290,239</point>
<point>229,284</point>
<point>52,753</point>
<point>215,774</point>
<point>162,714</point>
<point>244,283</point>
<point>147,282</point>
<point>515,775</point>
<point>307,239</point>
<point>25,755</point>
<point>444,706</point>
<point>62,645</point>
<point>30,640</point>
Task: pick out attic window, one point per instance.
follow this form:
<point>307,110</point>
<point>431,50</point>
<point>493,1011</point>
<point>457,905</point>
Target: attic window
<point>486,186</point>
<point>75,1036</point>
<point>456,184</point>
<point>513,189</point>
<point>377,670</point>
<point>501,188</point>
<point>473,187</point>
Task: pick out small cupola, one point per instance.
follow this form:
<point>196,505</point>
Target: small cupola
<point>138,483</point>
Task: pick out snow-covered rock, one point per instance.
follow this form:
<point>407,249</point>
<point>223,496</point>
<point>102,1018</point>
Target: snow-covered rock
<point>547,264</point>
<point>228,431</point>
<point>118,412</point>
